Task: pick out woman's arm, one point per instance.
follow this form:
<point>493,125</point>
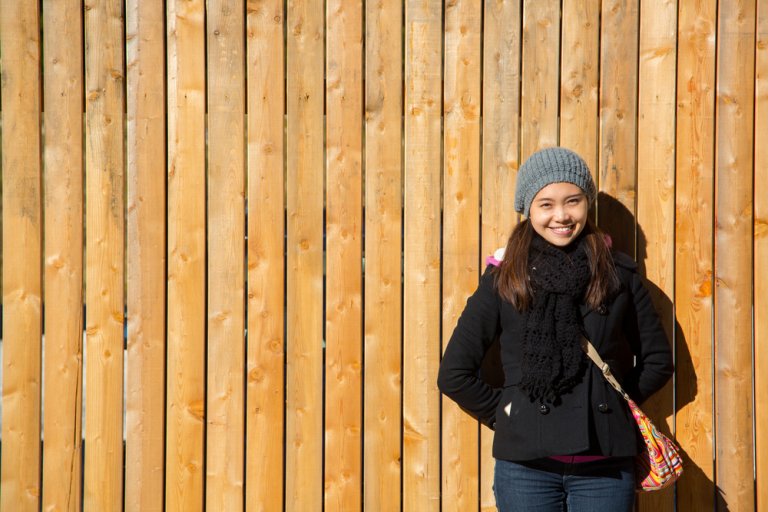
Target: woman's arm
<point>458,377</point>
<point>653,365</point>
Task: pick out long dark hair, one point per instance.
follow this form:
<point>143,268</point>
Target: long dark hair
<point>512,275</point>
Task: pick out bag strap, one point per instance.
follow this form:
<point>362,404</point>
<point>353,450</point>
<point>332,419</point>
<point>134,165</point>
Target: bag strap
<point>591,351</point>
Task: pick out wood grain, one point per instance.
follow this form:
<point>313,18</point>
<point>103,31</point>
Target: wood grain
<point>656,192</point>
<point>579,79</point>
<point>104,249</point>
<point>618,121</point>
<point>421,294</point>
<point>225,424</point>
<point>264,470</point>
<point>63,270</point>
<point>383,256</point>
<point>541,76</point>
<point>145,272</point>
<point>760,231</point>
<point>500,160</point>
<point>304,387</point>
<point>734,455</point>
<point>461,233</point>
<point>21,272</point>
<point>344,272</point>
<point>186,314</point>
<point>665,100</point>
<point>694,257</point>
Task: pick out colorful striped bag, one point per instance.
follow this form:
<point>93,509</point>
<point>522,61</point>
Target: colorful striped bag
<point>660,464</point>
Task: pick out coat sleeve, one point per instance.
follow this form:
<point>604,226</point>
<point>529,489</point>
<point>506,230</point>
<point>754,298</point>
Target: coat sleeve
<point>459,377</point>
<point>653,363</point>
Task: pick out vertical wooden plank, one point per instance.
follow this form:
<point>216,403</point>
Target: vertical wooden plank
<point>104,249</point>
<point>501,113</point>
<point>618,121</point>
<point>579,79</point>
<point>343,318</point>
<point>421,318</point>
<point>733,254</point>
<point>761,255</point>
<point>694,250</point>
<point>145,372</point>
<point>656,189</point>
<point>304,416</point>
<point>501,149</point>
<point>541,75</point>
<point>383,255</point>
<point>461,233</point>
<point>63,197</point>
<point>185,409</point>
<point>22,231</point>
<point>225,424</point>
<point>266,267</point>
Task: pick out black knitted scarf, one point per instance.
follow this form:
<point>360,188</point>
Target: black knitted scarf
<point>553,361</point>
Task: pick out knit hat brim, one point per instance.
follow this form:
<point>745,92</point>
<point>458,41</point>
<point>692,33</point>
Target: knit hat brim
<point>547,166</point>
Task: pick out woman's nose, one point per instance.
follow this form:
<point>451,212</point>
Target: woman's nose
<point>561,214</point>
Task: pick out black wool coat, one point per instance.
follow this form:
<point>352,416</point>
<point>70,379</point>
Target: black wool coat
<point>590,419</point>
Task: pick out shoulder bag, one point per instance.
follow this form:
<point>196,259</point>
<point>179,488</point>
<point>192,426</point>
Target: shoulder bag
<point>660,464</point>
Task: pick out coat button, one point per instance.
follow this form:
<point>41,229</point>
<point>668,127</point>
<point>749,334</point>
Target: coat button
<point>544,409</point>
<point>603,407</point>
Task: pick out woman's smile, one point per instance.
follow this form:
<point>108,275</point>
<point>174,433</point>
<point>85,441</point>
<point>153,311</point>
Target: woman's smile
<point>563,230</point>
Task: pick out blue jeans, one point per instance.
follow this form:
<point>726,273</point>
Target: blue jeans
<point>546,485</point>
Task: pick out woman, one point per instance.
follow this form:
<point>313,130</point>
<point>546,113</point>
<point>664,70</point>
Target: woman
<point>564,439</point>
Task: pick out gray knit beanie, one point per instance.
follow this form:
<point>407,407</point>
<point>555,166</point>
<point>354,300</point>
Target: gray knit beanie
<point>551,165</point>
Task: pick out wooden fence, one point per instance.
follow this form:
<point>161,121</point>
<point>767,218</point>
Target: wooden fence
<point>272,214</point>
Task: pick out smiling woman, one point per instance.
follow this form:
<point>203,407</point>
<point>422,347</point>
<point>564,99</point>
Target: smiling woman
<point>563,439</point>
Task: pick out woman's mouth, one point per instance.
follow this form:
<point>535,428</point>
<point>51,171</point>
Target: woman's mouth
<point>563,230</point>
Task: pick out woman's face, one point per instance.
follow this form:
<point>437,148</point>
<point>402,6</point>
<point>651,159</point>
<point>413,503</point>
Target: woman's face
<point>559,213</point>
